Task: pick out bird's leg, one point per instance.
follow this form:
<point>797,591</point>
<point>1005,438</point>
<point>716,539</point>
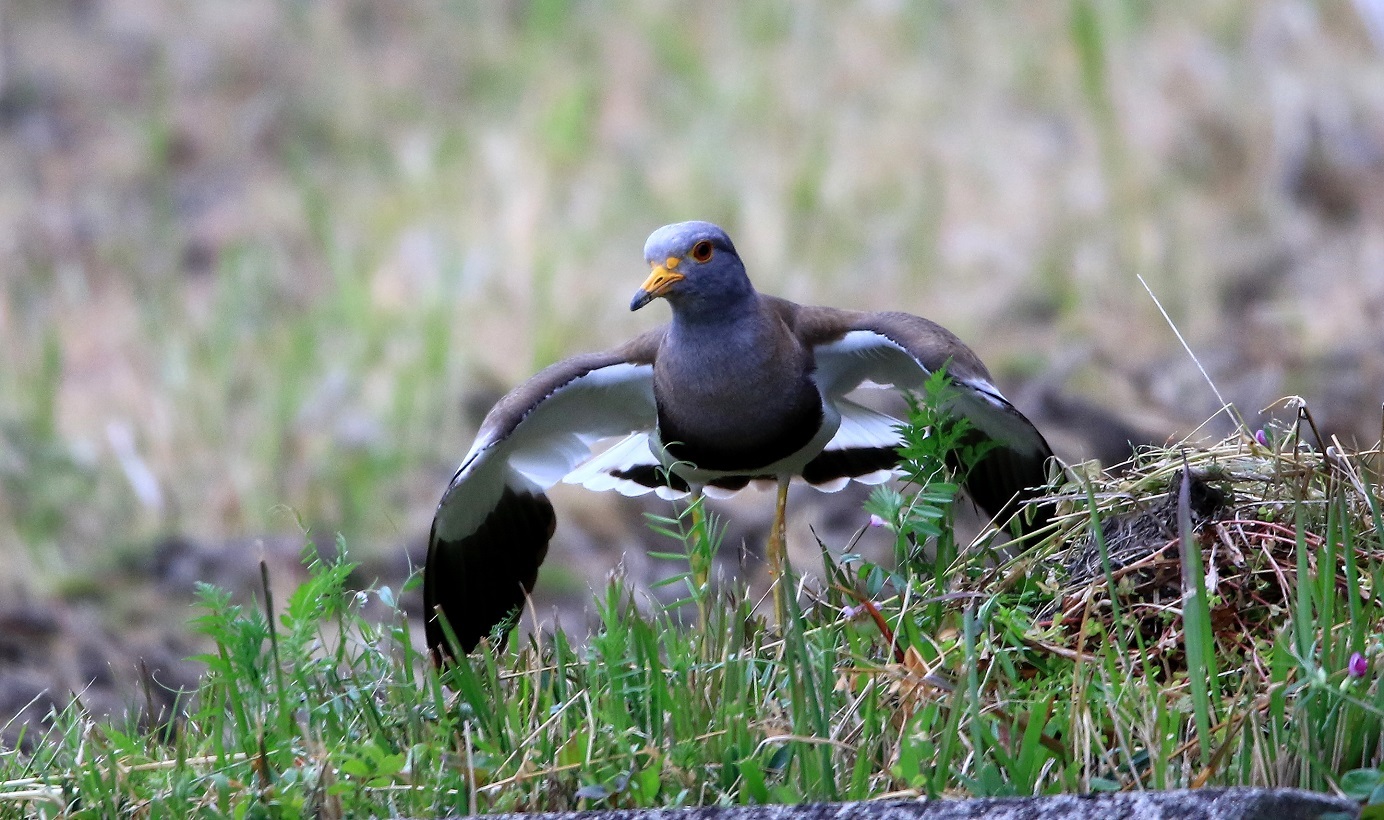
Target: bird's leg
<point>777,551</point>
<point>699,554</point>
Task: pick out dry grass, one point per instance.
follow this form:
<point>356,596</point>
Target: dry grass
<point>1246,501</point>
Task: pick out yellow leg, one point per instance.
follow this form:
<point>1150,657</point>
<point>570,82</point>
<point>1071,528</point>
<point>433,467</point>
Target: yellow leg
<point>777,550</point>
<point>699,557</point>
<point>700,570</point>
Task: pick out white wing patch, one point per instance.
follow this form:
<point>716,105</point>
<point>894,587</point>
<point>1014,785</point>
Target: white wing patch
<point>864,357</point>
<point>553,437</point>
<point>863,428</point>
<point>625,455</point>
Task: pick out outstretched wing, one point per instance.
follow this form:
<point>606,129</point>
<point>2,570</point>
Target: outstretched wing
<point>492,527</point>
<point>902,350</point>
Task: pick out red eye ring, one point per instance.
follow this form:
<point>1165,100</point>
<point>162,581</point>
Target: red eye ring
<point>701,252</point>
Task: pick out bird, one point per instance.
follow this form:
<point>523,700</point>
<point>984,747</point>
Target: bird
<point>738,386</point>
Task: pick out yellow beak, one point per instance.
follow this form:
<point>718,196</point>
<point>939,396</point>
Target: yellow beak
<point>661,278</point>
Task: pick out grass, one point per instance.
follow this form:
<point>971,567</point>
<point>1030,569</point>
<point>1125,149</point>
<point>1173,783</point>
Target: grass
<point>1110,657</point>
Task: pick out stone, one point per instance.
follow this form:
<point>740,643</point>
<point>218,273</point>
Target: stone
<point>1199,804</point>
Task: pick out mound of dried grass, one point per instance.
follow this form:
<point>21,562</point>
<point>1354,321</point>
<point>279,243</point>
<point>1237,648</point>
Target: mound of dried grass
<point>1246,502</point>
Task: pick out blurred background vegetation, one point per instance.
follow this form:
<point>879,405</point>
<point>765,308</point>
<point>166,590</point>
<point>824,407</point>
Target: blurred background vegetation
<point>261,262</point>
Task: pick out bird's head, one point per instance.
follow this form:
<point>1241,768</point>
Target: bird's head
<point>695,267</point>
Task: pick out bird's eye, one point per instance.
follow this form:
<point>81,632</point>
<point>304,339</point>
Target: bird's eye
<point>701,252</point>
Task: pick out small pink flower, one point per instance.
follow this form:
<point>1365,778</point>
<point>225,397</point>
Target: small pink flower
<point>1358,666</point>
<point>876,521</point>
<point>1261,437</point>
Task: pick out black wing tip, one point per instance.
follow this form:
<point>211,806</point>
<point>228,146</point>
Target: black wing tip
<point>480,580</point>
<point>1012,485</point>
